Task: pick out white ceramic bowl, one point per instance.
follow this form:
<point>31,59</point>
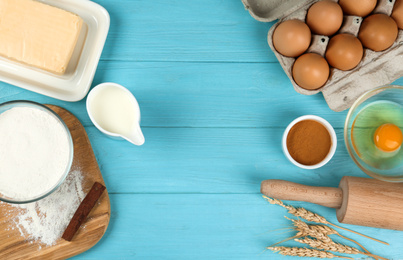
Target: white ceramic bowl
<point>332,136</point>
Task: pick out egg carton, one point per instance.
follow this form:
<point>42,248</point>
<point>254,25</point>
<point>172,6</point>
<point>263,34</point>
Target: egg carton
<point>343,87</point>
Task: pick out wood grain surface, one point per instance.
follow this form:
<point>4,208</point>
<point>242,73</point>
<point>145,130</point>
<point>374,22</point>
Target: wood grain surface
<point>14,246</point>
<point>214,104</point>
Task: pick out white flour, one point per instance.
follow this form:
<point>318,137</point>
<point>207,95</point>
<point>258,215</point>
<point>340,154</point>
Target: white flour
<point>34,152</point>
<point>46,219</point>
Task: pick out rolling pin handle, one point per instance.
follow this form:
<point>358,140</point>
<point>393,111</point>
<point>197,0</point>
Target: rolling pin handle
<point>285,190</point>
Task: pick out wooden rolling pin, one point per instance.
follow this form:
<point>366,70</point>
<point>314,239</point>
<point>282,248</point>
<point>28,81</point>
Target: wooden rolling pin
<point>358,201</point>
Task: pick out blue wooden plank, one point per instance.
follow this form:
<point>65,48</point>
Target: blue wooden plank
<point>200,226</point>
<point>208,160</point>
<point>202,94</point>
<point>178,30</point>
<point>199,94</point>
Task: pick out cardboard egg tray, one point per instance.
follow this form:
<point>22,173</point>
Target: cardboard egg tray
<point>343,87</point>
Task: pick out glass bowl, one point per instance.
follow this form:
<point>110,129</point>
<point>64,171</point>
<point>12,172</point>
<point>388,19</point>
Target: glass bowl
<point>377,167</point>
<point>23,103</point>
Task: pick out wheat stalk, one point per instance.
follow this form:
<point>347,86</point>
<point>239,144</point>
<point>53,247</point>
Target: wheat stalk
<point>334,247</point>
<point>304,252</point>
<point>298,212</point>
<point>313,217</point>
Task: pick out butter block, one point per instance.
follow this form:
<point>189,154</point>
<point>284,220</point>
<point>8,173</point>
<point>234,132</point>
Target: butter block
<point>38,34</point>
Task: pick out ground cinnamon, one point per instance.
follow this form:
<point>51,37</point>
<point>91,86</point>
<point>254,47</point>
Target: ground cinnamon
<point>308,142</point>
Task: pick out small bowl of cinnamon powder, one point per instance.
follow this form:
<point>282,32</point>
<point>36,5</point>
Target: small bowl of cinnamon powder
<point>309,142</point>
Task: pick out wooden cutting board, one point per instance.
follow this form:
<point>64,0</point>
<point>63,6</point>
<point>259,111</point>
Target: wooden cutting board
<point>14,246</point>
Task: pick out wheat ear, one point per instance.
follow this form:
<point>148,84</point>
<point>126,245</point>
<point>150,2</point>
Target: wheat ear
<point>329,246</point>
<point>317,231</point>
<point>334,247</point>
<point>313,217</point>
<point>321,232</point>
<point>304,252</point>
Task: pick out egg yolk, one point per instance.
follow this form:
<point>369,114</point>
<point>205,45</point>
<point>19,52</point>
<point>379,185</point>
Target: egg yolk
<point>388,138</point>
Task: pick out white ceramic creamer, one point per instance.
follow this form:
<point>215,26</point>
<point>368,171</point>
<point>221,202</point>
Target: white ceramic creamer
<point>115,112</point>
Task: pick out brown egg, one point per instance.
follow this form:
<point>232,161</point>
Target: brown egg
<point>310,71</point>
<point>324,17</point>
<point>397,13</point>
<point>378,32</point>
<point>291,38</point>
<point>357,7</point>
<point>344,51</point>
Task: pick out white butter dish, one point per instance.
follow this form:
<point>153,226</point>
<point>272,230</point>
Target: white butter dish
<point>75,83</point>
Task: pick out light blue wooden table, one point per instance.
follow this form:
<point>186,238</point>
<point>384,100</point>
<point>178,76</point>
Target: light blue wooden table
<point>214,104</point>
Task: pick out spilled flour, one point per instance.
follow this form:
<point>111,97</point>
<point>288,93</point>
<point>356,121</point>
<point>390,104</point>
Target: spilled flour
<point>45,221</point>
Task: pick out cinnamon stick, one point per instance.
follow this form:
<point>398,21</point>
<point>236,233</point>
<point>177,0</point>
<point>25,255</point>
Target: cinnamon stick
<point>83,210</point>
